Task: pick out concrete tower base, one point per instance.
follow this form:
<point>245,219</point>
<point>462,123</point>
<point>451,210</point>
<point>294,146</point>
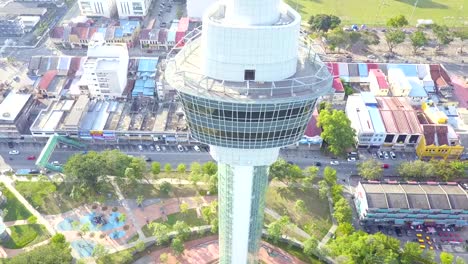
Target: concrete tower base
<point>242,183</point>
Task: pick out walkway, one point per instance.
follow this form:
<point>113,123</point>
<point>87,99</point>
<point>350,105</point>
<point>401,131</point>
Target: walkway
<point>297,230</point>
<point>333,228</point>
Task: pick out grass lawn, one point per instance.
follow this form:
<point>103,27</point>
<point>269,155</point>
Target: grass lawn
<point>190,218</point>
<point>26,235</point>
<point>152,191</point>
<point>60,200</point>
<point>121,257</point>
<point>316,220</point>
<point>372,12</point>
<point>16,210</point>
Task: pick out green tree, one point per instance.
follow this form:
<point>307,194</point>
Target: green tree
<point>285,172</point>
<point>183,230</point>
<point>300,207</point>
<point>139,167</point>
<point>397,21</point>
<point>59,239</point>
<point>310,173</point>
<point>336,131</point>
<point>181,168</point>
<point>168,168</point>
<point>139,200</point>
<point>448,170</point>
<point>345,229</point>
<point>184,207</point>
<point>85,228</point>
<point>195,178</point>
<point>323,22</point>
<point>213,184</point>
<point>140,246</point>
<point>122,217</point>
<point>310,246</point>
<point>165,187</point>
<point>329,175</point>
<point>446,258</point>
<point>99,251</point>
<point>32,220</point>
<point>155,168</point>
<point>278,227</point>
<point>416,169</point>
<point>336,192</point>
<point>393,37</point>
<point>177,246</point>
<point>161,231</point>
<point>210,168</point>
<point>418,40</point>
<point>370,169</point>
<point>442,34</point>
<point>52,253</point>
<point>462,34</point>
<point>460,260</point>
<point>323,189</point>
<point>85,169</point>
<point>342,211</point>
<point>115,162</point>
<point>196,168</point>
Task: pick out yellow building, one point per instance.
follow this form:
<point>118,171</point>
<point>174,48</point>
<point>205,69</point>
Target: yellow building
<point>435,115</point>
<point>439,142</point>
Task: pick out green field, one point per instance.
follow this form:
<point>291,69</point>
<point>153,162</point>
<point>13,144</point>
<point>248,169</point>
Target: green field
<point>372,12</point>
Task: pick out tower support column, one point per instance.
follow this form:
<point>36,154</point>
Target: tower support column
<point>242,181</point>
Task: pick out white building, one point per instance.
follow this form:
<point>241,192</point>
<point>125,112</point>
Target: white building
<point>196,8</point>
<point>399,84</point>
<point>105,69</point>
<point>97,8</point>
<point>132,8</point>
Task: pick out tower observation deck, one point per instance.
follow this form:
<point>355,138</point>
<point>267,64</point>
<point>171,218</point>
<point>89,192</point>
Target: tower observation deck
<point>248,85</point>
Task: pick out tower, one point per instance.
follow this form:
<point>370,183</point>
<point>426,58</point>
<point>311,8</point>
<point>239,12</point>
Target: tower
<point>248,86</point>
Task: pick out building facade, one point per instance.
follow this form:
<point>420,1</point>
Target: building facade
<point>14,115</point>
<point>412,203</point>
<point>132,8</point>
<point>246,101</point>
<point>97,8</point>
<point>11,26</point>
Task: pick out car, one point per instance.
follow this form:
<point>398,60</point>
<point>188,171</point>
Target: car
<point>380,154</point>
<point>352,159</point>
<point>32,157</point>
<point>11,145</point>
<point>163,148</point>
<point>334,162</point>
<point>318,164</point>
<point>148,159</point>
<point>398,231</point>
<point>34,172</point>
<point>13,152</point>
<point>385,153</point>
<point>151,147</point>
<point>290,162</point>
<point>389,231</point>
<point>196,148</point>
<point>185,148</point>
<point>158,148</point>
<point>163,24</point>
<point>385,166</point>
<point>180,148</point>
<point>56,163</point>
<point>140,147</point>
<point>392,155</point>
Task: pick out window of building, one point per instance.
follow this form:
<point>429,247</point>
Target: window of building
<point>249,75</point>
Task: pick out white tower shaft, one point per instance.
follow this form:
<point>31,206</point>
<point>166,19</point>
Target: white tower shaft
<point>252,12</point>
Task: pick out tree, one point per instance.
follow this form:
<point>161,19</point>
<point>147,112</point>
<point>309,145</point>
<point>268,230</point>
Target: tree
<point>58,239</point>
<point>277,228</point>
<point>161,231</point>
<point>448,170</point>
<point>418,40</point>
<point>85,228</point>
<point>195,178</point>
<point>165,187</point>
<point>460,260</point>
<point>184,207</point>
<point>393,37</point>
<point>329,175</point>
<point>213,184</point>
<point>86,169</point>
<point>336,130</point>
<point>196,168</point>
<point>285,172</point>
<point>99,251</point>
<point>115,162</point>
<point>345,229</point>
<point>139,167</point>
<point>443,34</point>
<point>397,21</point>
<point>164,258</point>
<point>155,168</point>
<point>310,173</point>
<point>177,246</point>
<point>411,253</point>
<point>210,168</point>
<point>32,220</point>
<point>181,168</point>
<point>336,192</point>
<point>140,246</point>
<point>342,211</point>
<point>310,246</point>
<point>300,207</point>
<point>370,169</point>
<point>139,200</point>
<point>323,189</point>
<point>416,169</point>
<point>462,34</point>
<point>48,254</point>
<point>322,22</point>
<point>183,230</point>
<point>122,217</point>
<point>446,258</point>
<point>168,168</point>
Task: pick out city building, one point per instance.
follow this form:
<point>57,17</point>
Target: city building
<point>248,88</point>
<point>105,69</point>
<point>12,8</point>
<point>97,8</point>
<point>395,203</point>
<point>196,8</point>
<point>399,84</point>
<point>378,84</point>
<point>14,115</point>
<point>11,26</point>
<point>30,22</point>
<point>133,8</point>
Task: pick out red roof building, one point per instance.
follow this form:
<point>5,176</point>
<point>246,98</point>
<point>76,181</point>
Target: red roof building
<point>47,79</point>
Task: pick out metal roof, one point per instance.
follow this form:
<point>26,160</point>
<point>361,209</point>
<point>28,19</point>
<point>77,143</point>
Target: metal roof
<point>12,105</point>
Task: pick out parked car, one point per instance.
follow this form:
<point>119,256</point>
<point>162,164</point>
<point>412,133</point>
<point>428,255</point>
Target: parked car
<point>158,148</point>
<point>32,157</point>
<point>318,164</point>
<point>380,154</point>
<point>56,163</point>
<point>196,148</point>
<point>351,159</point>
<point>398,231</point>
<point>148,159</point>
<point>334,162</point>
<point>151,147</point>
<point>13,152</point>
<point>385,166</point>
<point>10,144</point>
<point>140,147</point>
<point>180,148</point>
<point>163,148</point>
<point>392,155</point>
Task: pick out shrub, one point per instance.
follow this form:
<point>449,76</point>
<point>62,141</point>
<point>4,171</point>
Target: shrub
<point>104,208</point>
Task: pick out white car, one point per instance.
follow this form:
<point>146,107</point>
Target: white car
<point>13,152</point>
<point>151,147</point>
<point>334,162</point>
<point>158,148</point>
<point>140,147</point>
<point>386,155</point>
<point>56,163</point>
<point>180,148</point>
<point>392,155</point>
<point>196,148</point>
<point>352,159</point>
